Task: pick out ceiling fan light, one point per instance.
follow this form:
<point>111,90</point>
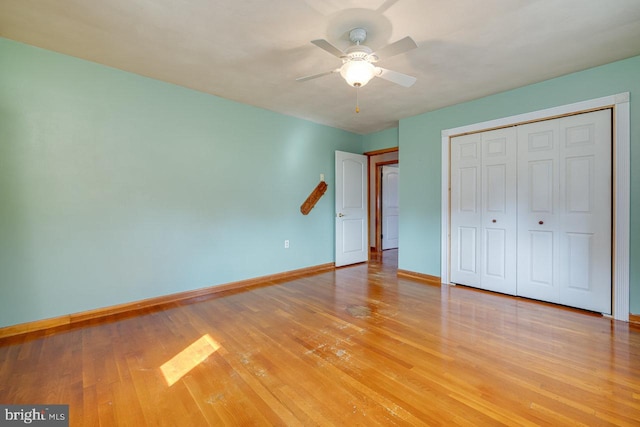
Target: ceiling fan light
<point>357,72</point>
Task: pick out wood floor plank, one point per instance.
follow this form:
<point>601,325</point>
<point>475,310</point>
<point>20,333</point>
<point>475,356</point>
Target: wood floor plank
<point>354,346</point>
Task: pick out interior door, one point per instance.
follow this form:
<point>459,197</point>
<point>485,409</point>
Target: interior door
<point>499,211</point>
<point>585,211</point>
<point>351,233</point>
<point>538,204</point>
<point>483,210</point>
<point>390,206</point>
<point>466,213</point>
<point>564,199</point>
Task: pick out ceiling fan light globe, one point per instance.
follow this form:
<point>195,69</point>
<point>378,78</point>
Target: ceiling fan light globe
<point>357,72</point>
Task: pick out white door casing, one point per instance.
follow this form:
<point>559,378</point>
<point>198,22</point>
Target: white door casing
<point>390,206</point>
<point>621,185</point>
<point>351,221</point>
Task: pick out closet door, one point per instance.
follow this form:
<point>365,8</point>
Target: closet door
<point>585,211</point>
<point>538,204</point>
<point>564,203</point>
<point>483,210</point>
<point>466,213</point>
<point>499,211</point>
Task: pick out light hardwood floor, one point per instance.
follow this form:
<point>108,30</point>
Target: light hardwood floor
<point>355,346</point>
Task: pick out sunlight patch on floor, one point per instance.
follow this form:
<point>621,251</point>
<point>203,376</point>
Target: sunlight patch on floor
<point>189,358</point>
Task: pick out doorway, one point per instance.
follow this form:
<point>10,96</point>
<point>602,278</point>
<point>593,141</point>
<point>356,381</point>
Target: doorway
<point>377,160</point>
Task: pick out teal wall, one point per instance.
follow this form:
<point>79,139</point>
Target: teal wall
<point>116,187</point>
<point>387,138</point>
<point>420,156</point>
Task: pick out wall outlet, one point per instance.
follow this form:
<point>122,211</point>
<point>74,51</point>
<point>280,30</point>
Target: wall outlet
<point>286,244</point>
<point>321,177</point>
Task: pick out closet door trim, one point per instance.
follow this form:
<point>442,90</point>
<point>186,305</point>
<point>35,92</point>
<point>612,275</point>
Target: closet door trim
<point>619,103</point>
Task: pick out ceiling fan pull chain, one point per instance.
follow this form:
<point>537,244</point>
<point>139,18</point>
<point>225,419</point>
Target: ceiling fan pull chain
<point>357,103</point>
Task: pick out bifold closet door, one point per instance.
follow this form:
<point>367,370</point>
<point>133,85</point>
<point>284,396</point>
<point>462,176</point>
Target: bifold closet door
<point>564,205</point>
<point>483,210</point>
<point>466,211</point>
<point>499,211</point>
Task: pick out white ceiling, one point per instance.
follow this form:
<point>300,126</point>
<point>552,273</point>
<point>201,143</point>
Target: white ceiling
<point>252,51</point>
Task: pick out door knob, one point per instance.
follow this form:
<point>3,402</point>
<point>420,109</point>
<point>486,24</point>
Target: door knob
<point>340,215</point>
<point>540,222</point>
<point>493,221</point>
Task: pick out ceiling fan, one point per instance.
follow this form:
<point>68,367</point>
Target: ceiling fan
<point>358,60</point>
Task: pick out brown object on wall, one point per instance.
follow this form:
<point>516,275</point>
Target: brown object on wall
<point>313,198</point>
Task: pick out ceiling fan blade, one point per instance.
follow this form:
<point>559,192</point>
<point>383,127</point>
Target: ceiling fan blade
<point>395,77</point>
<point>315,76</point>
<point>323,44</point>
<point>396,48</point>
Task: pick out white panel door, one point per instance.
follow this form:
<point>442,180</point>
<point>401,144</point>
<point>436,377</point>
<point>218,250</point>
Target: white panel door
<point>499,211</point>
<point>351,209</point>
<point>538,192</point>
<point>390,206</point>
<point>466,212</point>
<point>585,211</point>
<point>564,200</point>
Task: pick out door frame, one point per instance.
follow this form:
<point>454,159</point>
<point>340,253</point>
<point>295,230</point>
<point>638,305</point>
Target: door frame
<point>619,103</point>
<point>376,222</point>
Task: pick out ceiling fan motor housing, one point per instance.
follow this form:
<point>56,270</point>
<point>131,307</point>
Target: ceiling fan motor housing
<point>359,52</point>
<point>358,35</point>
